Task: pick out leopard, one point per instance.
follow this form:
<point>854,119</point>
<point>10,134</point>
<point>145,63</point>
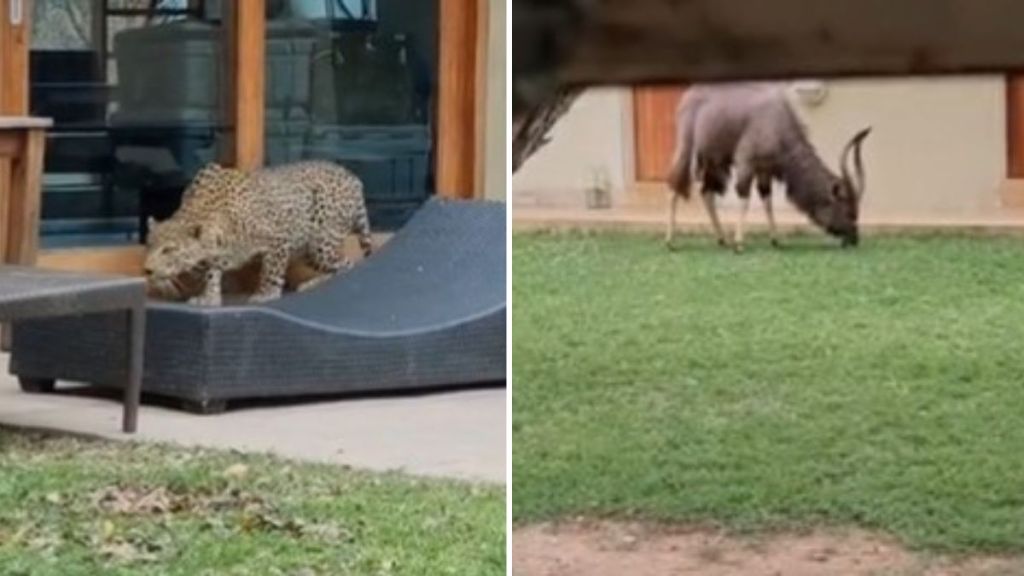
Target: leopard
<point>228,218</point>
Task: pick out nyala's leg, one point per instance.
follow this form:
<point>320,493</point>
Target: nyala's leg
<point>713,183</point>
<point>211,295</point>
<point>743,182</point>
<point>272,275</point>
<point>670,230</point>
<point>764,190</point>
<point>709,197</point>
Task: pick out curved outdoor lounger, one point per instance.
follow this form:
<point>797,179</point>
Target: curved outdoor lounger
<point>427,310</point>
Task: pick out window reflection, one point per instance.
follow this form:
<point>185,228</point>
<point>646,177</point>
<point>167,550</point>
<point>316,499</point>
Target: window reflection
<point>136,89</point>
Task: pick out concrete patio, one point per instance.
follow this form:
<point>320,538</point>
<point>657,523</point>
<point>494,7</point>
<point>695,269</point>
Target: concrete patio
<point>458,434</point>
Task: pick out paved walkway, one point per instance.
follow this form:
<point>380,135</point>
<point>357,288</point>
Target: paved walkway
<point>452,434</point>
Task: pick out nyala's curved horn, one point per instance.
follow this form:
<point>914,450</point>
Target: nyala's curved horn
<point>858,164</point>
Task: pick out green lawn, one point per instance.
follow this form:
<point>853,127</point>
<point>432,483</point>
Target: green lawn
<point>72,507</point>
<point>881,387</point>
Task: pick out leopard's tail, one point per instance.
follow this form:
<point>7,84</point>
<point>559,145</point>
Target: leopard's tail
<point>362,230</point>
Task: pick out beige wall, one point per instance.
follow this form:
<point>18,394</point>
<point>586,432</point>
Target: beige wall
<point>495,137</point>
<point>595,136</point>
<point>938,146</point>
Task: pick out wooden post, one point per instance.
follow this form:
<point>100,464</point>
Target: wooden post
<point>457,94</point>
<point>14,45</point>
<point>480,93</point>
<point>245,47</point>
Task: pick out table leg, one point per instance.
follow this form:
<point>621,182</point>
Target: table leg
<point>136,320</point>
<point>25,199</point>
<point>5,206</point>
<point>6,141</point>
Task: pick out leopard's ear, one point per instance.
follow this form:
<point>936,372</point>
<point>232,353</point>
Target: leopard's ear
<point>151,223</point>
<point>208,170</point>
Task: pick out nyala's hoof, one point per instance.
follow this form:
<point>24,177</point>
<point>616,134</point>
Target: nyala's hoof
<point>737,248</point>
<point>776,243</point>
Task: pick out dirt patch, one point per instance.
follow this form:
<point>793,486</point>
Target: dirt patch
<point>607,549</point>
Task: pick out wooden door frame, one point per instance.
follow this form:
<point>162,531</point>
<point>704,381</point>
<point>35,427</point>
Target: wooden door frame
<point>14,42</point>
<point>460,125</point>
<point>460,97</point>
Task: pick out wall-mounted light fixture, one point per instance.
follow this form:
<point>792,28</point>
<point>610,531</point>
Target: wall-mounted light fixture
<point>810,93</point>
<point>16,9</point>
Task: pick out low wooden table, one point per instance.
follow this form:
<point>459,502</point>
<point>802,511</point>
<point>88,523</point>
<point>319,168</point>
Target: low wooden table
<point>22,146</point>
<point>27,293</point>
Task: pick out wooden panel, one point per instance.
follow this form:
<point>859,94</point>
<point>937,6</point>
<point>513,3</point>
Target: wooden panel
<point>654,120</point>
<point>246,86</point>
<point>457,95</point>
<point>11,143</point>
<point>1015,126</point>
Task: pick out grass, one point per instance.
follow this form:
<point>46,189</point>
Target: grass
<point>72,507</point>
<point>881,387</point>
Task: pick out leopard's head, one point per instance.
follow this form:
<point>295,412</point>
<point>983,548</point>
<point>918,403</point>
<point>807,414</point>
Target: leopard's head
<point>177,255</point>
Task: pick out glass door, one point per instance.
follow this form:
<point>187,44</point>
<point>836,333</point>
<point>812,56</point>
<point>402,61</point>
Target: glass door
<point>355,82</point>
<point>135,92</point>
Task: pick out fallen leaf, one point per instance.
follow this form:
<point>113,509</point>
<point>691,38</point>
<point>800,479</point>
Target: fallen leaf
<point>126,552</point>
<point>108,530</point>
<point>236,471</point>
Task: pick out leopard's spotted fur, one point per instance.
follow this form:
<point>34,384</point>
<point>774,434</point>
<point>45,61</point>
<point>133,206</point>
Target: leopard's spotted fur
<point>228,218</point>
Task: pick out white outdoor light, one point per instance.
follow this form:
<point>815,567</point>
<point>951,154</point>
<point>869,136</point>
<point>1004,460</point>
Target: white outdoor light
<point>16,12</point>
<point>811,93</point>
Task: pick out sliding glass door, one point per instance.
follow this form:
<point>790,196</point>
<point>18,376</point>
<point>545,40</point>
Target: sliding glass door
<point>136,95</point>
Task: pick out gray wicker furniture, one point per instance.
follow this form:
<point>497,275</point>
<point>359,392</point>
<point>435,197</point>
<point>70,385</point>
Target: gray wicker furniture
<point>427,310</point>
<point>33,293</point>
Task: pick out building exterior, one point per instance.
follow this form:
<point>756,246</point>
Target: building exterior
<point>409,95</point>
<point>943,150</point>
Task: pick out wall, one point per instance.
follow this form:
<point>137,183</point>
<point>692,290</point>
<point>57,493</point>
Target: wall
<point>495,133</point>
<point>595,136</point>
<point>938,147</point>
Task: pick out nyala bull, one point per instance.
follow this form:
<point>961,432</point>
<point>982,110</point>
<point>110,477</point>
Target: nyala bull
<point>753,129</point>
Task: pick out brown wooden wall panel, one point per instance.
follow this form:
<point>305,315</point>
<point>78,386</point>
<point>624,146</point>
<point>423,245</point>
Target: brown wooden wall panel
<point>654,121</point>
<point>1015,126</point>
